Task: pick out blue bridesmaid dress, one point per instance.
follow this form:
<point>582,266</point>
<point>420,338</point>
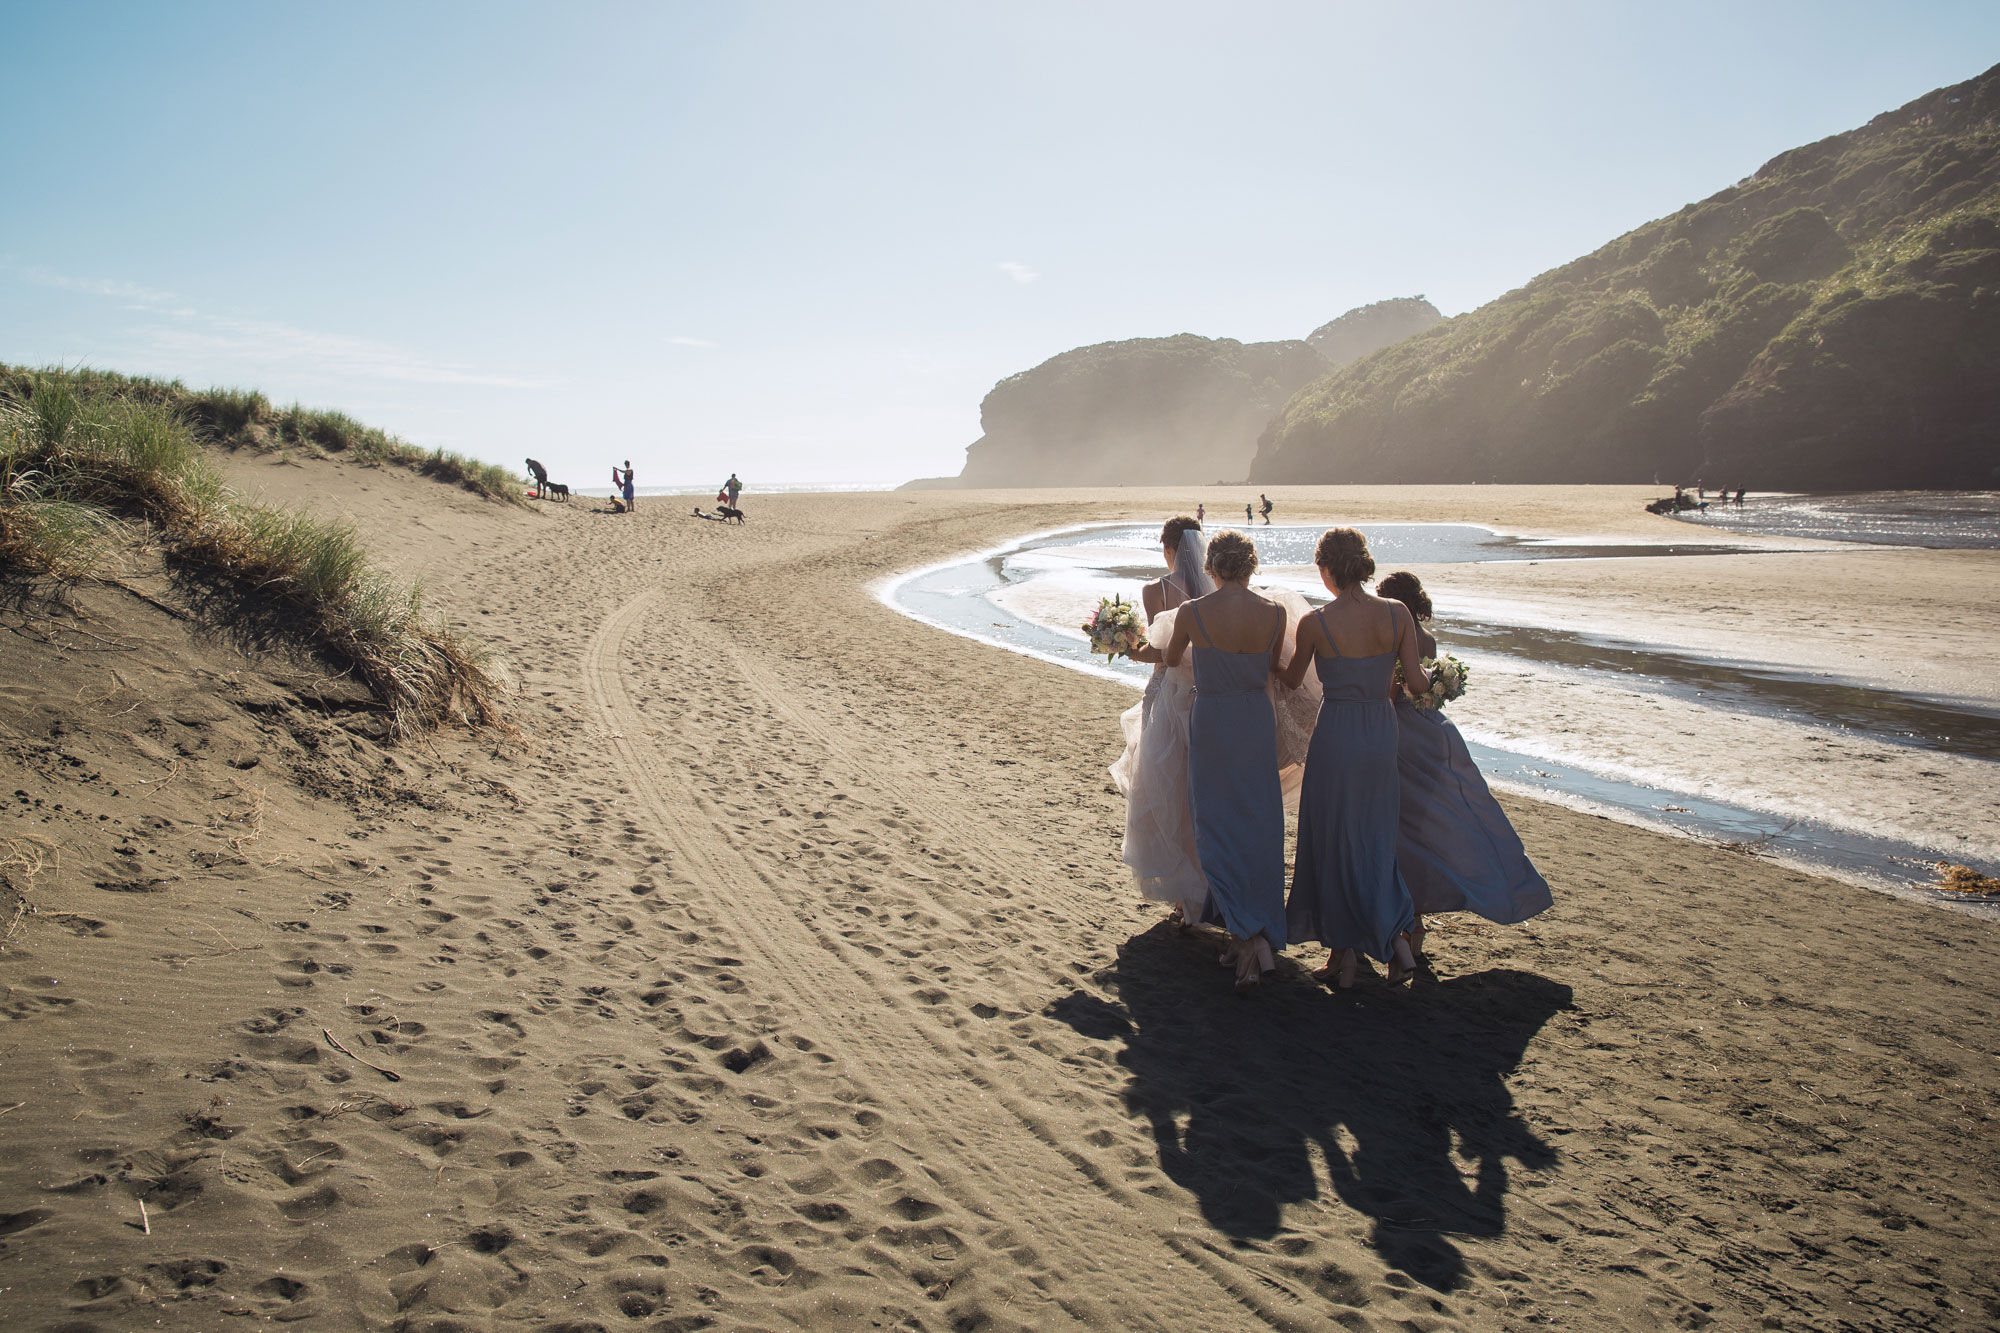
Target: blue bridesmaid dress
<point>1457,851</point>
<point>1346,890</point>
<point>1233,789</point>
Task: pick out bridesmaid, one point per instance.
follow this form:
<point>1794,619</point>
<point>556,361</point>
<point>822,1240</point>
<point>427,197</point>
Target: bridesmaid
<point>1233,786</point>
<point>1346,890</point>
<point>1456,850</point>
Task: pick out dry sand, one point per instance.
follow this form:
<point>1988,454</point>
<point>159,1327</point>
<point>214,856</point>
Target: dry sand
<point>781,974</point>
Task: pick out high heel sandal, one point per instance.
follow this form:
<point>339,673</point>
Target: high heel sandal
<point>1252,956</point>
<point>1340,970</point>
<point>1402,963</point>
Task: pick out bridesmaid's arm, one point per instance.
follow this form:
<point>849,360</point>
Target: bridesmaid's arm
<point>1177,646</point>
<point>1303,650</point>
<point>1409,650</point>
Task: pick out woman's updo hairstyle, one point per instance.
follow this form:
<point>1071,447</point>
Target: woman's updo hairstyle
<point>1407,588</point>
<point>1231,556</point>
<point>1343,554</point>
<point>1170,535</point>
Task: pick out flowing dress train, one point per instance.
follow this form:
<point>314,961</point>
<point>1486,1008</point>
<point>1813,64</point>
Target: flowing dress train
<point>1233,787</point>
<point>1153,774</point>
<point>1346,890</point>
<point>1457,850</point>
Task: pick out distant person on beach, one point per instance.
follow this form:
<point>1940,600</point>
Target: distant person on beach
<point>734,488</point>
<point>630,493</point>
<point>1266,509</point>
<point>1200,514</point>
<point>1248,518</point>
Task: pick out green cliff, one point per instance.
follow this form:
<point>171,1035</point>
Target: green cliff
<point>1370,328</point>
<point>1831,322</point>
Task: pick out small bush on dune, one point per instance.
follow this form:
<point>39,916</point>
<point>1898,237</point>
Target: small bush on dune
<point>74,462</point>
<point>238,419</point>
<point>53,537</point>
<point>424,672</point>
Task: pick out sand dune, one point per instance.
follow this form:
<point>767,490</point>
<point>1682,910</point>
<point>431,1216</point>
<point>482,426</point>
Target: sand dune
<point>780,974</point>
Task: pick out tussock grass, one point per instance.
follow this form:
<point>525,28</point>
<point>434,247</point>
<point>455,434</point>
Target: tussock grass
<point>245,419</point>
<point>76,466</point>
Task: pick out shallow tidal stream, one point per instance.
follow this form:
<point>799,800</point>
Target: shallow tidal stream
<point>1854,778</point>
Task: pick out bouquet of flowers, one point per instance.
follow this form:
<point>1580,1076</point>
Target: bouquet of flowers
<point>1115,629</point>
<point>1447,675</point>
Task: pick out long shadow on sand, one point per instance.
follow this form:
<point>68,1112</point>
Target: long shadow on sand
<point>1396,1090</point>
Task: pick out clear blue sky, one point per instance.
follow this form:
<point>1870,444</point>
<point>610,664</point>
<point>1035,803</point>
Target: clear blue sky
<point>801,241</point>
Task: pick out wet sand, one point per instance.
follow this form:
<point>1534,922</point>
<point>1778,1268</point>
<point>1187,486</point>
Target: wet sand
<point>780,974</point>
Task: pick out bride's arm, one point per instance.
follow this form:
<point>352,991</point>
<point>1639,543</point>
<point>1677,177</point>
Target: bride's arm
<point>1152,598</point>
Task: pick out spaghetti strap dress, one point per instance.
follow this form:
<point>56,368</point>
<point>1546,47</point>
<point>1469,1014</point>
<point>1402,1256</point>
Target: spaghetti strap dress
<point>1234,790</point>
<point>1347,892</point>
<point>1457,850</point>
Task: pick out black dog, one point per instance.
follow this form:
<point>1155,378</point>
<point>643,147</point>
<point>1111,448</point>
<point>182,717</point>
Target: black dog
<point>729,513</point>
<point>560,490</point>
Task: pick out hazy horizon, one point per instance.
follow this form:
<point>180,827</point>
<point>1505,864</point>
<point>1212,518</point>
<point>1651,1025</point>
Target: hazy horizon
<point>802,243</point>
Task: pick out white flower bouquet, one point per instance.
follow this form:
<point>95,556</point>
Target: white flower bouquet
<point>1115,630</point>
<point>1447,675</point>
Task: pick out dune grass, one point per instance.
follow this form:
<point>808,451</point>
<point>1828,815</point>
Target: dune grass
<point>80,469</point>
<point>246,419</point>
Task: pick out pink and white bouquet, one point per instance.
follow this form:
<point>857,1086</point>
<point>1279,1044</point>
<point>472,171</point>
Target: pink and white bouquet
<point>1115,630</point>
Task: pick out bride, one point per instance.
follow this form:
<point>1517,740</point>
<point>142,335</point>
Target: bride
<point>1152,773</point>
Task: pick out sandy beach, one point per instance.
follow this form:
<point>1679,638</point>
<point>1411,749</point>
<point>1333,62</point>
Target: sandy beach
<point>780,973</point>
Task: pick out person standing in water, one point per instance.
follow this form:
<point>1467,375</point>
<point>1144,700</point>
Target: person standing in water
<point>1266,509</point>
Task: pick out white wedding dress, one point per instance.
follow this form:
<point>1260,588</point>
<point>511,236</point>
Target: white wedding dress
<point>1159,826</point>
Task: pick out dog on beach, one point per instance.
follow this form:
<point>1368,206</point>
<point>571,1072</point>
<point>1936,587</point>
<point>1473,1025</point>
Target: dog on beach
<point>559,490</point>
<point>728,513</point>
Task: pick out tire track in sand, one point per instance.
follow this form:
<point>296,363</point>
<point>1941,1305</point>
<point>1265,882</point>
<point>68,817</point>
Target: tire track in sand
<point>880,1037</point>
<point>1246,1283</point>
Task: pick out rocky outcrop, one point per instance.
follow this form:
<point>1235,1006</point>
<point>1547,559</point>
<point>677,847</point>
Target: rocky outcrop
<point>1184,409</point>
<point>1179,409</point>
<point>1832,321</point>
